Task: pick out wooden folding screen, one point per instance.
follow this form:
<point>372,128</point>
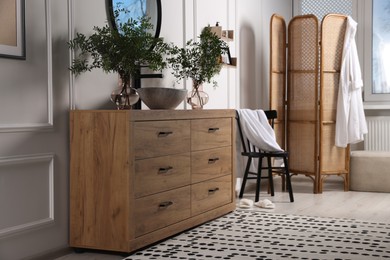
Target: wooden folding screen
<point>302,95</point>
<point>333,160</point>
<point>278,75</point>
<point>308,103</point>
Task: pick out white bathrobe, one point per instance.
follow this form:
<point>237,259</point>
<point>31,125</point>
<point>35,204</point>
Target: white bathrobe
<point>350,119</point>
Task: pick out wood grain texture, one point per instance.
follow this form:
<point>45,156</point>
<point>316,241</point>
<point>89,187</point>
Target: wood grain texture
<point>210,194</point>
<point>161,174</point>
<point>210,133</point>
<point>131,175</point>
<point>211,163</point>
<point>160,138</point>
<point>162,209</point>
<point>99,180</point>
<point>155,115</point>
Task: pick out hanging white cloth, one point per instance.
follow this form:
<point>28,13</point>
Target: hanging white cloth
<point>256,128</point>
<point>350,119</point>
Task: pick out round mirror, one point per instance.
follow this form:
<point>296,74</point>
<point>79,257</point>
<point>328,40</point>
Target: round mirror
<point>136,9</point>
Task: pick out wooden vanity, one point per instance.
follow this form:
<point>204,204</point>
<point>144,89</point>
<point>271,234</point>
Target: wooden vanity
<point>139,176</point>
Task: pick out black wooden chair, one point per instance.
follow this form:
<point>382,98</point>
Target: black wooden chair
<point>252,152</point>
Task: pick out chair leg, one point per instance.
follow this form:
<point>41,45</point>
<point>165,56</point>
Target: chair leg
<point>288,179</point>
<point>283,182</point>
<point>258,182</point>
<point>244,179</point>
<point>270,176</point>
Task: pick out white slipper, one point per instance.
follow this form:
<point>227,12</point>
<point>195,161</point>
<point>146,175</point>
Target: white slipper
<point>265,203</point>
<point>246,203</point>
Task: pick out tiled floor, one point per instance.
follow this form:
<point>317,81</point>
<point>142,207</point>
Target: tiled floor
<point>333,202</point>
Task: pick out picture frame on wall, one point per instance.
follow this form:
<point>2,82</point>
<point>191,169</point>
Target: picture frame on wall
<point>226,58</point>
<point>12,29</point>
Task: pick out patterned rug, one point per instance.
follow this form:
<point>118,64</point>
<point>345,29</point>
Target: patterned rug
<point>261,235</point>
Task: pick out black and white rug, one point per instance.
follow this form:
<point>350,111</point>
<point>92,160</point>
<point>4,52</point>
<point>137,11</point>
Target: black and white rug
<point>261,235</point>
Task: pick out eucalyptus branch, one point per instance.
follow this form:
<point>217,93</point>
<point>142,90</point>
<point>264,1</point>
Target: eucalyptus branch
<point>123,50</point>
<point>198,60</point>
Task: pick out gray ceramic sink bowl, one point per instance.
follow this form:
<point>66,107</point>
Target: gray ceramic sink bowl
<point>162,98</point>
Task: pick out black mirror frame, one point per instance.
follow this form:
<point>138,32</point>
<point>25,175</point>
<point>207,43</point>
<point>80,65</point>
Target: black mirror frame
<point>111,17</point>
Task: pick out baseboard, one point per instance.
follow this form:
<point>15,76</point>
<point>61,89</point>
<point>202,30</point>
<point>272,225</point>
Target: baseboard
<point>51,255</point>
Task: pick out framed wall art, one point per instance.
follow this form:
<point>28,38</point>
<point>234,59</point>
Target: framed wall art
<point>12,29</point>
<point>226,58</point>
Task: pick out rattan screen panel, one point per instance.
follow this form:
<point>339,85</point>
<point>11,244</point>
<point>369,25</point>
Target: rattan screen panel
<point>278,44</point>
<point>330,82</point>
<point>278,75</point>
<point>303,64</point>
<point>279,133</point>
<point>302,96</point>
<point>333,160</point>
<point>332,38</point>
<point>310,124</point>
<point>302,147</point>
<point>303,43</point>
<point>333,31</point>
<point>278,91</point>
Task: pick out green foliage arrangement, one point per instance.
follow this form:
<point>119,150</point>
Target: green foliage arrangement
<point>123,50</point>
<point>198,60</point>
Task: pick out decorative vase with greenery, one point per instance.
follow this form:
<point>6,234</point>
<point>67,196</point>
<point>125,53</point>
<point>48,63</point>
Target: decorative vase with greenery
<point>122,51</point>
<point>200,61</point>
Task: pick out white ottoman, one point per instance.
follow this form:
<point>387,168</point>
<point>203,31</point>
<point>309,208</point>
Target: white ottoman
<point>370,171</point>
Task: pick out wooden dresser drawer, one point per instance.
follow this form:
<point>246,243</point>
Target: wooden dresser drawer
<point>211,194</point>
<point>159,138</point>
<point>212,163</point>
<point>210,133</point>
<point>161,174</point>
<point>161,210</point>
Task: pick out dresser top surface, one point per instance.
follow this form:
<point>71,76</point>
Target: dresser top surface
<point>149,115</point>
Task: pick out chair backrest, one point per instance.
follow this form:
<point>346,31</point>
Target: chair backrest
<point>246,145</point>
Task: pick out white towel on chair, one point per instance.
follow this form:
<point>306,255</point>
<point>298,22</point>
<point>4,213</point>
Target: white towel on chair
<point>257,130</point>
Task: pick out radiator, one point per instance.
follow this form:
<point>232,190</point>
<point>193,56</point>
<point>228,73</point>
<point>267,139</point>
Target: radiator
<point>378,136</point>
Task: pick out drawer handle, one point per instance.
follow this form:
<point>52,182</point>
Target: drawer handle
<point>164,134</point>
<point>163,170</point>
<point>213,129</point>
<point>165,204</point>
<point>213,160</point>
<point>212,191</point>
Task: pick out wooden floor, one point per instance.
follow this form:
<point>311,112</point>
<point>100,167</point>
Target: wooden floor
<point>333,202</point>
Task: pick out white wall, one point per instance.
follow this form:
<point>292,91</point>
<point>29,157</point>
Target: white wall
<point>244,86</point>
<point>36,95</point>
<point>34,103</point>
<point>253,19</point>
<point>253,24</point>
<point>181,20</point>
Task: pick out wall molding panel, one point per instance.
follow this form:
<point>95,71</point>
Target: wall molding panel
<point>71,34</point>
<point>11,128</point>
<point>33,127</point>
<point>37,174</point>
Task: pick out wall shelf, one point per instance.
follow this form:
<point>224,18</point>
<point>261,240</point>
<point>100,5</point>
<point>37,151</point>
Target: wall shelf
<point>227,36</point>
